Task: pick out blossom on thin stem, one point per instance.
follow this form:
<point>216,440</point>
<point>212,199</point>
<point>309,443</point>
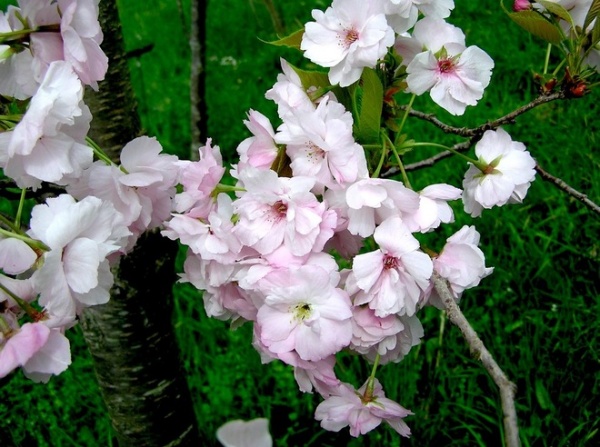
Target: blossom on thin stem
<point>504,174</point>
<point>361,410</point>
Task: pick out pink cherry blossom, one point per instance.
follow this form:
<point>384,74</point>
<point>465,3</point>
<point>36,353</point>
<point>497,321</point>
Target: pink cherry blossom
<point>321,145</point>
<point>199,179</point>
<point>370,201</point>
<point>507,177</point>
<point>278,210</point>
<point>288,92</point>
<point>48,144</point>
<point>306,314</point>
<point>393,348</point>
<point>80,235</point>
<point>368,330</point>
<point>349,36</point>
<point>21,346</point>
<point>391,279</point>
<point>259,150</point>
<point>429,34</point>
<point>15,256</point>
<point>361,411</point>
<point>433,208</point>
<point>455,79</point>
<point>211,237</point>
<point>461,262</point>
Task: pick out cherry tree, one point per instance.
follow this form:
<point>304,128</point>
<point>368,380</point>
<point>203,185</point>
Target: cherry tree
<point>312,238</point>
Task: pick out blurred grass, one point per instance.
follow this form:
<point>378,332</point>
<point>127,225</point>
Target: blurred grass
<point>538,312</point>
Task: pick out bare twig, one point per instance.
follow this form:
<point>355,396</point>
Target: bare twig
<point>478,349</point>
<point>474,133</point>
<point>506,119</point>
<point>560,184</point>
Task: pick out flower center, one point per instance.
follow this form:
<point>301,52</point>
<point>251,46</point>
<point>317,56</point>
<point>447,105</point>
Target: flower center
<point>278,212</point>
<point>302,311</point>
<point>351,36</point>
<point>390,262</point>
<point>314,153</point>
<point>445,65</point>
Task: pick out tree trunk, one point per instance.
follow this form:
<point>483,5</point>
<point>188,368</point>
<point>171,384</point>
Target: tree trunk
<point>131,337</point>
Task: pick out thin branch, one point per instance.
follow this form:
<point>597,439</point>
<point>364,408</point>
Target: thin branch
<point>475,133</point>
<point>560,184</point>
<point>465,145</point>
<point>478,349</point>
<point>506,119</point>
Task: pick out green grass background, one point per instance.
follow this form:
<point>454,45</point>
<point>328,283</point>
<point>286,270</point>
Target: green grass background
<point>538,313</point>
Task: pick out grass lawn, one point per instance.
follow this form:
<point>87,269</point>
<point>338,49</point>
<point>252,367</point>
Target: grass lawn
<point>537,313</point>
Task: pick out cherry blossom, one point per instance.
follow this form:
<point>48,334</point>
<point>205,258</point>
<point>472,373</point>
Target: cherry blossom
<point>321,145</point>
<point>349,36</point>
<point>80,235</point>
<point>48,143</point>
<point>455,79</point>
<point>508,170</point>
<point>278,210</point>
<point>305,313</point>
<point>361,411</point>
<point>392,278</point>
<point>461,262</point>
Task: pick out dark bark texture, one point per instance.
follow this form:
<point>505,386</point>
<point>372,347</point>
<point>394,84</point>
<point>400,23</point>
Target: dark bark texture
<point>131,338</point>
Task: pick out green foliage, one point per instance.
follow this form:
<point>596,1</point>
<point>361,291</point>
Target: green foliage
<point>537,313</point>
<point>537,25</point>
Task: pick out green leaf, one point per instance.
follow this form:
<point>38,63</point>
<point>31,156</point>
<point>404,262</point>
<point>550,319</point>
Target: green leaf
<point>595,34</point>
<point>542,395</point>
<point>557,10</point>
<point>293,40</point>
<point>310,79</point>
<point>537,25</point>
<point>368,105</point>
<point>592,14</point>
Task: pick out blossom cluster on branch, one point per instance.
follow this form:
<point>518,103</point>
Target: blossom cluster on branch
<point>304,238</point>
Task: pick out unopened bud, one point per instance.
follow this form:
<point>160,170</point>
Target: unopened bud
<point>521,5</point>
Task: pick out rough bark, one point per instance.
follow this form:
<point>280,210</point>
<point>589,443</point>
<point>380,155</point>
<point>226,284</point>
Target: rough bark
<point>113,106</point>
<point>131,337</point>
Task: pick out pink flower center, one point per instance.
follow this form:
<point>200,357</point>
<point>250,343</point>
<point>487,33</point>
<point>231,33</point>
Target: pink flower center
<point>347,39</point>
<point>445,65</point>
<point>278,212</point>
<point>390,262</point>
<point>314,153</point>
<point>351,36</point>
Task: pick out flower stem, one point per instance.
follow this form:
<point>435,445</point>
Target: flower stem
<point>371,382</point>
<point>32,312</point>
<point>33,243</point>
<point>406,113</point>
<point>20,209</point>
<point>449,149</point>
<point>98,152</point>
<point>547,59</point>
<point>399,161</point>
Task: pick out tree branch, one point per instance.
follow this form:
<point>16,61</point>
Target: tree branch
<point>478,349</point>
<point>560,184</point>
<point>506,119</point>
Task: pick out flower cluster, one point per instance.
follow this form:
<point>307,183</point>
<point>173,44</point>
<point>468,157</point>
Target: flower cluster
<point>61,263</point>
<point>307,239</point>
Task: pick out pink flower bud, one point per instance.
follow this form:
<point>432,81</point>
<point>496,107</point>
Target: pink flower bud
<point>521,5</point>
